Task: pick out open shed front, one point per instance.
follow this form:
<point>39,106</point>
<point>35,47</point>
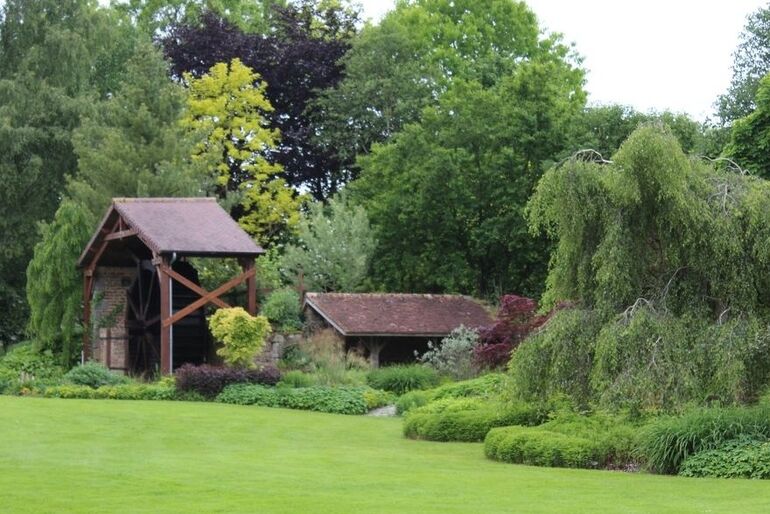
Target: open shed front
<point>390,327</point>
<point>142,297</point>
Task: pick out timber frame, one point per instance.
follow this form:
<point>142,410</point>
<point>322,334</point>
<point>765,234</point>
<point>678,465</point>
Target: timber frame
<point>117,229</point>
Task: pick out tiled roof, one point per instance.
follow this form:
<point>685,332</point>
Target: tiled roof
<point>187,226</point>
<point>397,314</point>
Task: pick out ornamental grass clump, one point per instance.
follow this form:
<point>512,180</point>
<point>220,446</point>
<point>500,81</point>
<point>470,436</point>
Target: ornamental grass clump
<point>400,379</point>
<point>242,335</point>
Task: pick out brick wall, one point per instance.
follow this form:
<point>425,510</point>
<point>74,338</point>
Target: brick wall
<point>109,316</point>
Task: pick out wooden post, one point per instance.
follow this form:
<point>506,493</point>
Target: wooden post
<point>165,313</point>
<point>251,286</point>
<point>88,281</point>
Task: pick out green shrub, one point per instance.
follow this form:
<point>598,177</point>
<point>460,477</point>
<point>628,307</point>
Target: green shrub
<point>487,386</point>
<point>249,394</point>
<point>403,378</point>
<point>412,400</point>
<point>282,307</point>
<point>667,441</point>
<point>112,392</point>
<point>241,334</point>
<point>454,424</point>
<point>739,458</point>
<point>93,374</point>
<point>297,379</point>
<point>339,400</point>
<point>525,445</point>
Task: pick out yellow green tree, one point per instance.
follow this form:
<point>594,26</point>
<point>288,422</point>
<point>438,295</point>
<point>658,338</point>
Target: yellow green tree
<point>227,111</point>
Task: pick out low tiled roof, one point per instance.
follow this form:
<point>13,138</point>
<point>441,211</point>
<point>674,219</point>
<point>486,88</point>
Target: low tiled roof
<point>393,314</point>
<point>187,226</point>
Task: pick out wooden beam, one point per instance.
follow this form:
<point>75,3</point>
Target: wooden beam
<point>251,286</point>
<point>192,286</point>
<point>165,330</point>
<point>88,281</point>
<point>207,298</point>
<point>120,234</point>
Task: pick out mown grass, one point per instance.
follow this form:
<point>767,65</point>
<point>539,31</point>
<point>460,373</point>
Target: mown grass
<point>83,456</point>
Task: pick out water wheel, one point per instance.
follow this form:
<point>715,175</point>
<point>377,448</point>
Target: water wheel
<point>143,322</point>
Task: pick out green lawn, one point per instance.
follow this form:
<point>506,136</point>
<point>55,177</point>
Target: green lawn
<point>119,456</point>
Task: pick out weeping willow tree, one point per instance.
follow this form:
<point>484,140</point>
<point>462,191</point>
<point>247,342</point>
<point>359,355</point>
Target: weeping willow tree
<point>54,284</point>
<point>672,254</point>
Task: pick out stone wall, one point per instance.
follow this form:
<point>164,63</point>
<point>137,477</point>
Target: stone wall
<point>109,316</point>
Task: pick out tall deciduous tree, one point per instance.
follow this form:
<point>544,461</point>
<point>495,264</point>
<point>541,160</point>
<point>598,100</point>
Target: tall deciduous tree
<point>57,59</point>
<point>446,196</point>
<point>54,287</point>
<point>133,144</point>
<point>408,60</point>
<point>157,16</point>
<point>298,58</point>
<point>749,142</point>
<point>751,62</point>
<point>227,109</point>
<point>334,248</point>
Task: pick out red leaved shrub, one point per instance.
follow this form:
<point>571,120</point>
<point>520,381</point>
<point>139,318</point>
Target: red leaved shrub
<point>516,319</point>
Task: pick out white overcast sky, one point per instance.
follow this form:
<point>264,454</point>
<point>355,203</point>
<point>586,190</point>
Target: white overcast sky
<point>651,54</point>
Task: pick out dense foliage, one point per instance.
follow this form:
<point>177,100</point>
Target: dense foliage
<point>665,254</point>
<point>334,247</point>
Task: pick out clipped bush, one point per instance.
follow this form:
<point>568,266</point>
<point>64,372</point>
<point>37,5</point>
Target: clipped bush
<point>249,394</point>
<point>335,400</point>
<point>241,334</point>
<point>567,440</point>
<point>209,381</point>
<point>376,398</point>
<point>486,386</point>
<point>524,445</point>
<point>93,374</point>
<point>403,378</point>
<point>738,458</point>
<point>129,391</point>
<point>454,355</point>
<point>412,400</point>
<point>452,423</point>
<point>666,442</point>
<point>282,308</point>
<point>296,379</point>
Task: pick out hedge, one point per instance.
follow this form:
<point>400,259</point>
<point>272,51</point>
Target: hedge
<point>336,400</point>
<point>467,425</point>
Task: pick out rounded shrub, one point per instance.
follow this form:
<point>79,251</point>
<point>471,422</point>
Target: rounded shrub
<point>538,447</point>
<point>93,374</point>
<point>412,400</point>
<point>400,379</point>
<point>282,307</point>
<point>453,423</point>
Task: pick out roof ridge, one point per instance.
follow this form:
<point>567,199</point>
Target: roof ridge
<point>163,199</point>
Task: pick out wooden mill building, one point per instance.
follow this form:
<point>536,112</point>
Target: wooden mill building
<point>391,327</point>
<point>141,294</point>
